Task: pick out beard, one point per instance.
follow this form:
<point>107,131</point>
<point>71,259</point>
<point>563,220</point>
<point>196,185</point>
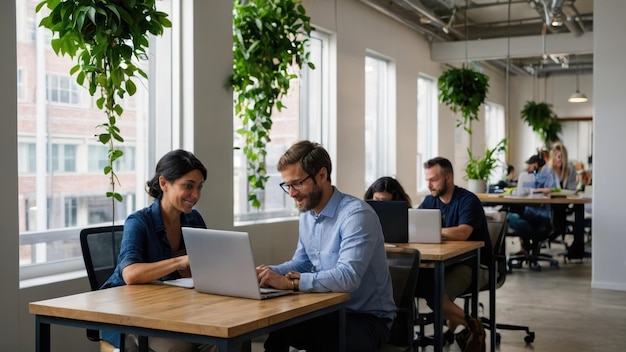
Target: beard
<point>311,200</point>
<point>439,192</point>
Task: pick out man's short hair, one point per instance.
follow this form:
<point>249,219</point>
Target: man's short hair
<point>445,164</point>
<point>311,156</point>
<point>536,158</point>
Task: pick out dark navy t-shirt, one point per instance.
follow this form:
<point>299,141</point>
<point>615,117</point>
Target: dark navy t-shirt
<point>464,208</point>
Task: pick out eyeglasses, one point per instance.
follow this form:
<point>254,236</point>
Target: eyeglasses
<point>295,185</point>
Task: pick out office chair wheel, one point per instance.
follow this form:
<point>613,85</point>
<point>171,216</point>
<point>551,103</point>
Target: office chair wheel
<point>554,264</point>
<point>530,338</point>
<point>498,338</point>
<point>535,267</point>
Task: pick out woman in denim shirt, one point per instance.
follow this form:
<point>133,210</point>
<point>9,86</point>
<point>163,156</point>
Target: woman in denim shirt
<point>152,245</point>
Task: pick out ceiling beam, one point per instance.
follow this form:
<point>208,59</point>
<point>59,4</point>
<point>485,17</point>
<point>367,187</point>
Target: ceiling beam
<point>520,47</point>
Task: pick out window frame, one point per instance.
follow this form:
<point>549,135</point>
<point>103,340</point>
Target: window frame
<point>495,131</point>
<point>427,127</point>
<point>36,271</point>
<point>315,122</point>
<point>380,129</point>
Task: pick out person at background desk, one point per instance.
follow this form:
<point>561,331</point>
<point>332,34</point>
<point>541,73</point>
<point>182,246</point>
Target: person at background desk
<point>533,224</point>
<point>509,179</point>
<point>152,244</point>
<point>340,249</point>
<point>463,219</point>
<point>565,173</point>
<point>387,188</point>
<point>562,168</point>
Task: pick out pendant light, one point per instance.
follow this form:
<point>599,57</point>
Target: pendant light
<point>577,97</point>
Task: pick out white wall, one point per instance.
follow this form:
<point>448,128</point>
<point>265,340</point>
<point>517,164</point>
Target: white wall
<point>609,124</point>
<point>553,90</point>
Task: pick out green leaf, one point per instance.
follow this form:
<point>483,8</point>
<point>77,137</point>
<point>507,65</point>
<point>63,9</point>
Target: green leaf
<point>118,109</point>
<point>104,138</point>
<point>114,195</point>
<point>130,87</point>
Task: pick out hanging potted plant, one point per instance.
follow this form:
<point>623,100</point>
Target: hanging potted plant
<point>108,38</point>
<point>269,41</point>
<point>478,170</point>
<point>543,121</point>
<point>463,89</point>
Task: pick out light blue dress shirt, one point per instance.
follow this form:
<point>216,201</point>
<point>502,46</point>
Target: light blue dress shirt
<point>545,178</point>
<point>342,250</point>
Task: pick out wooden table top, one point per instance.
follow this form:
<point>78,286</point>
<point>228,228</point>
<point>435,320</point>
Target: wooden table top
<point>441,251</point>
<point>184,310</point>
<point>496,198</point>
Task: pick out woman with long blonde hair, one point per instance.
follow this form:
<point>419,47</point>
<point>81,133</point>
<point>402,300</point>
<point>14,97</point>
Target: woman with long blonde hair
<point>562,168</point>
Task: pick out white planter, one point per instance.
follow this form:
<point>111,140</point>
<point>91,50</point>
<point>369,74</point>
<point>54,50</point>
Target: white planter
<point>477,186</point>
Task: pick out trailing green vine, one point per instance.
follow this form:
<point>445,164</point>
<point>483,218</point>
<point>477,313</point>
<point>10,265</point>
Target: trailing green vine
<point>463,89</point>
<point>108,37</point>
<point>269,40</point>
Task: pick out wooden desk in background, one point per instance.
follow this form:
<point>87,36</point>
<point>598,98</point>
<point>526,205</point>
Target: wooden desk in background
<point>577,249</point>
<point>174,312</point>
<point>441,255</point>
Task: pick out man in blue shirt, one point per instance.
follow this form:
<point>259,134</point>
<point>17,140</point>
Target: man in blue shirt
<point>340,249</point>
<point>462,219</point>
<point>533,225</point>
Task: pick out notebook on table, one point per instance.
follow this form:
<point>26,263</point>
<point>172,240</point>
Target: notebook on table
<point>424,225</point>
<point>222,264</point>
<point>393,218</point>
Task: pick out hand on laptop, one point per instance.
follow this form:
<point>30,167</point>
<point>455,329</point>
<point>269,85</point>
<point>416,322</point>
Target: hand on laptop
<point>183,266</point>
<point>270,278</point>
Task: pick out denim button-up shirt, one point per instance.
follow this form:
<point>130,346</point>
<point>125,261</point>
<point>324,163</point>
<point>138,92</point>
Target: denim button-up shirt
<point>145,241</point>
<point>342,250</point>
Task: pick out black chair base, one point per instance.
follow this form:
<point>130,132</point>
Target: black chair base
<point>529,338</point>
<point>518,260</point>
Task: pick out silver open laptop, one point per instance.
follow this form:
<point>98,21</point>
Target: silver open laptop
<point>222,263</point>
<point>425,225</point>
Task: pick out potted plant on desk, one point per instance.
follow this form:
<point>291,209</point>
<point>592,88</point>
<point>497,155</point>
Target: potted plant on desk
<point>479,169</point>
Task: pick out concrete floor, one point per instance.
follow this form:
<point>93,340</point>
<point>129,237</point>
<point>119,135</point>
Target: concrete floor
<point>560,306</point>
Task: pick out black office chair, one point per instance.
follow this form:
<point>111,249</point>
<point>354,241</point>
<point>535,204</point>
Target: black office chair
<point>100,247</point>
<point>497,233</point>
<point>404,268</point>
<point>533,257</point>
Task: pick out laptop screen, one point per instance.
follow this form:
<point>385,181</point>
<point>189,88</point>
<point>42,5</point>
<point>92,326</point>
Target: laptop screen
<point>394,219</point>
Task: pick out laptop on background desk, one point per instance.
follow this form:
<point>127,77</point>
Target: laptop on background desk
<point>222,264</point>
<point>424,226</point>
<point>393,216</point>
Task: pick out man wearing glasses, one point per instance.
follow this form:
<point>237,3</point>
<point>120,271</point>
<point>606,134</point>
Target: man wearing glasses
<point>340,249</point>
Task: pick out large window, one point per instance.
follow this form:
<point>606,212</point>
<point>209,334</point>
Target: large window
<point>62,89</point>
<point>63,158</point>
<point>427,127</point>
<point>494,133</point>
<point>379,119</point>
<point>61,184</point>
<point>307,116</point>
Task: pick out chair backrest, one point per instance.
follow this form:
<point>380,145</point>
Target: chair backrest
<point>100,247</point>
<point>497,233</point>
<point>403,266</point>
